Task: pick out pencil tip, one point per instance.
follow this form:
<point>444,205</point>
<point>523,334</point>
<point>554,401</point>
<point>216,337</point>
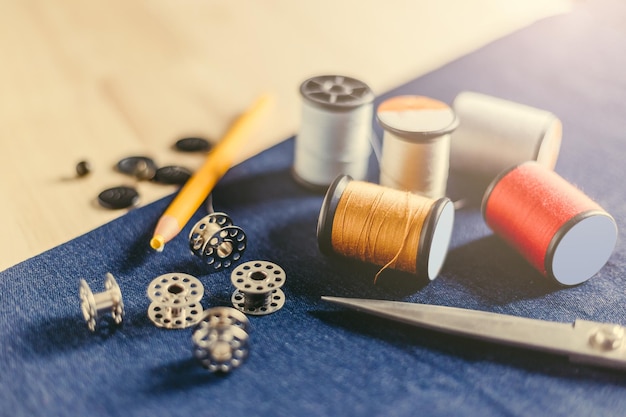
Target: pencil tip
<point>157,243</point>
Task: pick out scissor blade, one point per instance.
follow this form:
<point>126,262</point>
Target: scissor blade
<point>583,341</point>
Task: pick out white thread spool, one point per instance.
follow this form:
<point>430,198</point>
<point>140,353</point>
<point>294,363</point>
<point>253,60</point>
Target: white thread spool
<point>416,144</point>
<point>335,131</point>
<point>496,134</point>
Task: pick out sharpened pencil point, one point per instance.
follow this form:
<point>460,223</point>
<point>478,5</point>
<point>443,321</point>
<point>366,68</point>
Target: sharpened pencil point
<point>157,243</point>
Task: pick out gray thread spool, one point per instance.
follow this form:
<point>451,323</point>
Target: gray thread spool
<point>335,131</point>
<point>496,134</point>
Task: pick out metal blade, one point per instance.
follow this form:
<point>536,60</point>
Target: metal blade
<point>584,341</point>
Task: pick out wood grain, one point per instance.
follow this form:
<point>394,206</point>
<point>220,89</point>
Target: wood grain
<point>102,80</point>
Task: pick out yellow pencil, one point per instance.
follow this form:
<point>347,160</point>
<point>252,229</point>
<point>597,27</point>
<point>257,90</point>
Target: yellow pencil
<point>219,160</point>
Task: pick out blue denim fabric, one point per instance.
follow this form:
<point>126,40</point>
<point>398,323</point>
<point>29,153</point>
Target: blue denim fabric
<point>311,358</point>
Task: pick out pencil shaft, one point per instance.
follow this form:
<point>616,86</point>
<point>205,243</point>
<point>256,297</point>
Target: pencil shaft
<point>218,161</point>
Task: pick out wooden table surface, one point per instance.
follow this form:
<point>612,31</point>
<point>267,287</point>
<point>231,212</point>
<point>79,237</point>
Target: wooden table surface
<point>102,80</point>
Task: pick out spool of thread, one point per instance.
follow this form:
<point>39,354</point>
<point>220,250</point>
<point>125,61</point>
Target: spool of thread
<point>496,134</point>
<point>335,131</point>
<point>416,144</point>
<point>386,227</point>
<point>552,224</point>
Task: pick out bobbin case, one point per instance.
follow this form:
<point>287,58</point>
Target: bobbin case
<point>416,144</point>
<point>558,229</point>
<point>434,238</point>
<point>335,131</point>
<point>495,134</point>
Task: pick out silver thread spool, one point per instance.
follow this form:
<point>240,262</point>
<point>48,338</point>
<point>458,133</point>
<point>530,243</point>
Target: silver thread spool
<point>496,134</point>
<point>335,131</point>
<point>416,144</point>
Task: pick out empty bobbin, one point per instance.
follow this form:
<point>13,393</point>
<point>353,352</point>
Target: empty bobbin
<point>216,241</point>
<point>220,339</point>
<point>175,300</point>
<point>94,305</point>
<point>258,287</point>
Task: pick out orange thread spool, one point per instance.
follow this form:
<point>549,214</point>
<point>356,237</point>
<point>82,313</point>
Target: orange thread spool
<point>386,227</point>
<point>558,229</point>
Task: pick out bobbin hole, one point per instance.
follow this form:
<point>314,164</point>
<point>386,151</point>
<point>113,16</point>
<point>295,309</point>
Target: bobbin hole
<point>258,275</point>
<point>175,289</point>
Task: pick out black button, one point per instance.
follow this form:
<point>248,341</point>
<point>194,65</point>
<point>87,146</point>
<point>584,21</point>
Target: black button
<point>172,174</point>
<point>193,144</point>
<point>118,197</point>
<point>83,168</point>
<point>140,167</point>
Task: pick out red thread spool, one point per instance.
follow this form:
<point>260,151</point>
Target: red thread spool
<point>555,226</point>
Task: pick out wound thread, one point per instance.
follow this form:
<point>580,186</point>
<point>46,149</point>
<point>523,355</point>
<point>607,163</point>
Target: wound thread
<point>386,227</point>
<point>416,144</point>
<point>495,134</point>
<point>360,231</point>
<point>558,229</point>
<point>335,132</point>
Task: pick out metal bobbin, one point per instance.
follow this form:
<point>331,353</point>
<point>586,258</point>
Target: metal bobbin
<point>220,339</point>
<point>216,241</point>
<point>258,287</point>
<point>94,305</point>
<point>175,300</point>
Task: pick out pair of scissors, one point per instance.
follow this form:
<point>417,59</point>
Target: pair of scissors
<point>586,342</point>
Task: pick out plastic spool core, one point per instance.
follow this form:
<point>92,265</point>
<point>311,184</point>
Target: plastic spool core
<point>582,250</point>
<point>440,239</point>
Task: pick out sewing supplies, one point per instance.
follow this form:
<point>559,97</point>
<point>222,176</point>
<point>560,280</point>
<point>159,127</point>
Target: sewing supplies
<point>386,227</point>
<point>175,300</point>
<point>172,175</point>
<point>335,131</point>
<point>119,197</point>
<point>495,134</point>
<point>83,168</point>
<point>416,144</point>
<point>257,287</point>
<point>217,241</point>
<point>94,305</point>
<point>218,161</point>
<point>586,342</point>
<point>140,167</point>
<point>220,339</point>
<point>192,144</point>
<point>553,225</point>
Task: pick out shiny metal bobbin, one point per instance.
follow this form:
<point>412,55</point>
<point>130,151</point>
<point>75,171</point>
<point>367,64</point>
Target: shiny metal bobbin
<point>94,305</point>
<point>220,339</point>
<point>175,300</point>
<point>258,287</point>
<point>216,241</point>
